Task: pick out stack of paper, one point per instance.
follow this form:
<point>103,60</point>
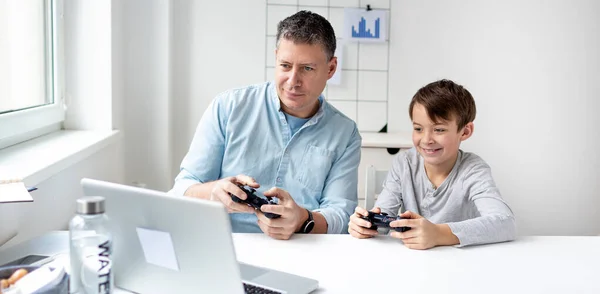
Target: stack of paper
<point>14,192</point>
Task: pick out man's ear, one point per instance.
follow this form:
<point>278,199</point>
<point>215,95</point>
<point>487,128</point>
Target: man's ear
<point>332,64</point>
<point>467,131</point>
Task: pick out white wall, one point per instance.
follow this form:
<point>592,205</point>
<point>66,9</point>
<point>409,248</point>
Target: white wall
<point>534,70</point>
<point>143,33</point>
<point>216,45</point>
<point>166,74</point>
<point>532,66</point>
<point>87,58</point>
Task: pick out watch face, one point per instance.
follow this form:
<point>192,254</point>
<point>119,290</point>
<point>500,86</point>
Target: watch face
<point>309,227</point>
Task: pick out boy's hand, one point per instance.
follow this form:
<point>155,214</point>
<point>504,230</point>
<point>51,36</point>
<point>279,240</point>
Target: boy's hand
<point>360,228</point>
<point>423,233</point>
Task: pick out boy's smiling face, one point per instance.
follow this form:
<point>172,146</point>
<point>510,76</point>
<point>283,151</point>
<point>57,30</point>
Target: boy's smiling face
<point>438,142</point>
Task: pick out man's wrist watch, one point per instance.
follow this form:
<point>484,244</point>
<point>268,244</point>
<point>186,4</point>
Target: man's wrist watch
<point>308,225</point>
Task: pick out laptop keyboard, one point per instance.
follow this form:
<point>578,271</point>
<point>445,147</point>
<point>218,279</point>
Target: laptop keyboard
<point>251,289</point>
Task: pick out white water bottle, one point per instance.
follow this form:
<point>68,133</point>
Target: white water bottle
<point>90,248</point>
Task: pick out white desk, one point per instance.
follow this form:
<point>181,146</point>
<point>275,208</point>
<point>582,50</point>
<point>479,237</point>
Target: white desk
<point>343,264</point>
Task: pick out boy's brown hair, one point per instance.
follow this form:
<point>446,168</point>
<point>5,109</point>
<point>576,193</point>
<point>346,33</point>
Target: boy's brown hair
<point>445,100</point>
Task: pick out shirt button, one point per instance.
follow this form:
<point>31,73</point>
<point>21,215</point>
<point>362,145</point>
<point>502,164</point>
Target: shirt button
<point>279,179</point>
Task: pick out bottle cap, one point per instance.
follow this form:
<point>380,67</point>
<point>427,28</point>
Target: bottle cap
<point>90,205</point>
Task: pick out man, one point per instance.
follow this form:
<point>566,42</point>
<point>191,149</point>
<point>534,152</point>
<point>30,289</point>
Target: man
<point>284,135</point>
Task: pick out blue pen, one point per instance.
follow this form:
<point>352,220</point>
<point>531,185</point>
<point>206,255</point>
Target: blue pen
<point>31,189</point>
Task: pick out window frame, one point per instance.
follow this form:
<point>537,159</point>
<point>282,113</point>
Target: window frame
<point>24,124</point>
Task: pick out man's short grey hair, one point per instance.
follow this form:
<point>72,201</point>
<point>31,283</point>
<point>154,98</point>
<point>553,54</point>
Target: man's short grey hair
<point>306,27</point>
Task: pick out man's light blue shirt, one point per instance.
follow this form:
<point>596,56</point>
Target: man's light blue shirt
<point>244,131</point>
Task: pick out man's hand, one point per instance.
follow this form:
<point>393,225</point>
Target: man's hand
<point>223,187</point>
<point>360,228</point>
<point>292,215</point>
<point>423,233</point>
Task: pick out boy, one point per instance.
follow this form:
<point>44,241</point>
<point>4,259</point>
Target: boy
<point>446,196</point>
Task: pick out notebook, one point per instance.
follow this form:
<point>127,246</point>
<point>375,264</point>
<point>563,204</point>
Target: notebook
<point>14,191</point>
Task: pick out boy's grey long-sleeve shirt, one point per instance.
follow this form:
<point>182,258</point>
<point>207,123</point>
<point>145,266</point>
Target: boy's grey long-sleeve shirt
<point>468,200</point>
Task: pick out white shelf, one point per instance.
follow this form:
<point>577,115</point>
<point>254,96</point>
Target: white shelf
<point>387,140</point>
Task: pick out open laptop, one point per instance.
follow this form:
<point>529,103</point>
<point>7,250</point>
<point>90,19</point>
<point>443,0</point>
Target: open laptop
<point>203,259</point>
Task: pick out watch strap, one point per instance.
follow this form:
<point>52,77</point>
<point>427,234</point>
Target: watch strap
<point>307,226</point>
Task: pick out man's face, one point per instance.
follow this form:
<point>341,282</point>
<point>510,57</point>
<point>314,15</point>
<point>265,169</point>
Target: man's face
<point>301,73</point>
<point>438,143</point>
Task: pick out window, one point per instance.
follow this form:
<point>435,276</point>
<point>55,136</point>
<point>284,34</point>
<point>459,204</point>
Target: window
<point>31,102</point>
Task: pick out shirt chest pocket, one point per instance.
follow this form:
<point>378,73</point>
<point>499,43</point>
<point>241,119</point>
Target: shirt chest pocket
<point>314,167</point>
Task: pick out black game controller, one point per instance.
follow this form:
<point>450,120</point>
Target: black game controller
<point>254,201</point>
<point>383,220</point>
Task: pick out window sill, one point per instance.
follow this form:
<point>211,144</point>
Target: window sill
<point>39,159</point>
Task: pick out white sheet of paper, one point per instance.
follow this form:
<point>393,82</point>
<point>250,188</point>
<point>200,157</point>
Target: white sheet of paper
<point>14,192</point>
<point>158,248</point>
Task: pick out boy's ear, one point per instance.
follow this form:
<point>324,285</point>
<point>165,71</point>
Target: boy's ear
<point>467,131</point>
